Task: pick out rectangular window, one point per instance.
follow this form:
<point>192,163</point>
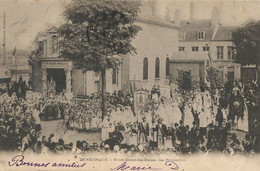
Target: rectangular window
<point>181,49</point>
<point>230,52</point>
<point>201,35</point>
<point>114,76</point>
<point>195,48</point>
<point>220,50</point>
<point>205,48</point>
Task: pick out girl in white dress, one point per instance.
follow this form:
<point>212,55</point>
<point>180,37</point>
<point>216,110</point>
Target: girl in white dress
<point>188,118</point>
<point>177,115</point>
<point>104,129</point>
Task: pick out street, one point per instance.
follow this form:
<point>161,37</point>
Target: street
<point>55,127</point>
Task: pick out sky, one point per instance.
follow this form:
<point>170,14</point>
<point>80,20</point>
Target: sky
<point>25,18</point>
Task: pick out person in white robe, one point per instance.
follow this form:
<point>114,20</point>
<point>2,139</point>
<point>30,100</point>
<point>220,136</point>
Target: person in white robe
<point>243,122</point>
<point>104,129</point>
<point>188,118</point>
<point>177,115</point>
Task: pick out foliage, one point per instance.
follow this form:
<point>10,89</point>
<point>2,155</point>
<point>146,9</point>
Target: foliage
<point>247,43</point>
<point>213,79</point>
<point>185,87</point>
<point>97,32</point>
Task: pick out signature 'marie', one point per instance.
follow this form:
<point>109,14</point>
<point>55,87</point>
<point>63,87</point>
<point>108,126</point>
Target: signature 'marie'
<point>125,166</point>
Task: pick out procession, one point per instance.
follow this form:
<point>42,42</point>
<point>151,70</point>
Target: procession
<point>157,128</point>
<point>124,77</point>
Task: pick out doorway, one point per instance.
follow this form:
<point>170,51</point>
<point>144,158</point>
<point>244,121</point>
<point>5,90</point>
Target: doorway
<point>57,78</point>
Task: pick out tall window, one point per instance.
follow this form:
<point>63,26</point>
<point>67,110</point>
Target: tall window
<point>220,50</point>
<point>145,69</point>
<point>195,48</point>
<point>54,44</point>
<point>157,68</point>
<point>167,72</point>
<point>230,52</point>
<point>114,76</point>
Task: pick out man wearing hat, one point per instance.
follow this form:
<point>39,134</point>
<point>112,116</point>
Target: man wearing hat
<point>161,130</point>
<point>143,129</point>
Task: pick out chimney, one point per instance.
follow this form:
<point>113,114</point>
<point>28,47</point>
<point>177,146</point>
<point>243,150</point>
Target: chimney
<point>167,15</point>
<point>192,10</point>
<point>177,17</point>
<point>215,17</point>
<point>154,6</point>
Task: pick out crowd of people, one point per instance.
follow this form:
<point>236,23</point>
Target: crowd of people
<point>159,127</point>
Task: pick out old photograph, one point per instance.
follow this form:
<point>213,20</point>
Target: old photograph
<point>129,85</point>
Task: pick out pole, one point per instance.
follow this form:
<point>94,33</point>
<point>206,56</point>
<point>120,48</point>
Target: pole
<point>4,46</point>
<point>137,115</point>
<point>15,67</point>
<point>103,92</point>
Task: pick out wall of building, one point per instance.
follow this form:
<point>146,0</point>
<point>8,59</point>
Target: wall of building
<point>78,83</point>
<point>152,42</point>
<point>225,65</point>
<point>37,77</point>
<point>90,82</point>
<point>213,47</point>
<point>197,70</point>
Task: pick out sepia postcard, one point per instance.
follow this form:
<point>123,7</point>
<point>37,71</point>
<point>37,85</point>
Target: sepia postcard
<point>130,85</point>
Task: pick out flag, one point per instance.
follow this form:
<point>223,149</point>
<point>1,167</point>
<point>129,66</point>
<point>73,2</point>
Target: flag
<point>14,52</point>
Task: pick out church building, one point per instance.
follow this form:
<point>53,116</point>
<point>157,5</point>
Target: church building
<point>155,44</point>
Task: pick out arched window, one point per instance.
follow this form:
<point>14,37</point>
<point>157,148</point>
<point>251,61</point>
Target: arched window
<point>145,69</point>
<point>157,68</point>
<point>54,44</point>
<point>167,72</point>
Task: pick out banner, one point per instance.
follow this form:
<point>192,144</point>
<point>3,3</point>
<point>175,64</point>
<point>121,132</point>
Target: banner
<point>165,91</point>
<point>140,99</point>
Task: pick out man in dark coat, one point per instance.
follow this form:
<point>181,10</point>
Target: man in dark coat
<point>143,129</point>
<point>161,130</point>
<point>181,132</point>
<point>219,116</point>
<point>236,105</point>
<point>115,139</point>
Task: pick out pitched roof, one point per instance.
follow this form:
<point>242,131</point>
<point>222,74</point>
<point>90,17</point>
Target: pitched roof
<point>224,33</point>
<point>191,29</point>
<point>195,24</point>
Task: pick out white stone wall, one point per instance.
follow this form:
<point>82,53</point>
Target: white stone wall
<point>152,42</point>
<point>92,82</point>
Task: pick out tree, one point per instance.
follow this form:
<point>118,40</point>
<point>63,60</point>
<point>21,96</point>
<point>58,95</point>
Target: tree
<point>96,33</point>
<point>185,88</point>
<point>247,45</point>
<point>214,84</point>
